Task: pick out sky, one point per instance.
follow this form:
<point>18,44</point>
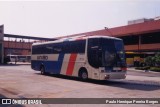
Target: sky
<point>65,17</point>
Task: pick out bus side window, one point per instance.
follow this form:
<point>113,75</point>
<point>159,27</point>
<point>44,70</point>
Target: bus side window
<point>57,48</point>
<point>77,46</point>
<point>36,49</point>
<point>80,46</point>
<point>73,47</point>
<point>94,52</point>
<point>66,47</point>
<point>49,49</point>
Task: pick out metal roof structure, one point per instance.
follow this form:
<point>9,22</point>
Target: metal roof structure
<point>134,29</point>
<point>28,37</point>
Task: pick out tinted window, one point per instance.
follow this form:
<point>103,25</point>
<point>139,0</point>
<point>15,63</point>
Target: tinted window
<point>150,38</point>
<point>94,52</point>
<point>47,49</point>
<point>65,47</point>
<point>130,40</point>
<point>109,52</point>
<point>74,46</point>
<point>57,48</point>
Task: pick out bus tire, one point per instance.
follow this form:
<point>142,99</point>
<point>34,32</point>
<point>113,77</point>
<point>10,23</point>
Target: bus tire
<point>43,70</point>
<point>83,74</point>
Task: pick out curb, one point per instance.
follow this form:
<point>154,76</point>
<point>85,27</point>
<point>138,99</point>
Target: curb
<point>133,69</point>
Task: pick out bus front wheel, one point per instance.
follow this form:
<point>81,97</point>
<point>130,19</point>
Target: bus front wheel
<point>83,74</point>
<point>43,70</point>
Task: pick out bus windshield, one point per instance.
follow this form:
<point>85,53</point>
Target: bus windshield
<point>108,52</point>
<point>112,52</point>
<point>104,52</point>
<point>120,53</point>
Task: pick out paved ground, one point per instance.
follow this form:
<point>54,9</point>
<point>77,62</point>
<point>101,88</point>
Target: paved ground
<point>21,81</point>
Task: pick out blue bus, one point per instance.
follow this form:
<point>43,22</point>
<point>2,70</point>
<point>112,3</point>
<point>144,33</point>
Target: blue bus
<point>95,57</point>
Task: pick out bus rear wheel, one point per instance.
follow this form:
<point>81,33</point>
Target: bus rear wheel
<point>43,70</point>
<point>83,74</point>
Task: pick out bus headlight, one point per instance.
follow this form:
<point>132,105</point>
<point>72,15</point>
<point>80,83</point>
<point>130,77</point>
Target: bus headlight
<point>106,76</point>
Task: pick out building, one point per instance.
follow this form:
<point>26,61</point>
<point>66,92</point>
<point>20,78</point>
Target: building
<point>20,45</point>
<point>141,38</point>
<point>17,44</point>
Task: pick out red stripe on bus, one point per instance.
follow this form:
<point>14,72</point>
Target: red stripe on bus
<point>71,64</point>
<point>79,39</point>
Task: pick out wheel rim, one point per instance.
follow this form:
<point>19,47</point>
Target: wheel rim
<point>42,70</point>
<point>84,75</point>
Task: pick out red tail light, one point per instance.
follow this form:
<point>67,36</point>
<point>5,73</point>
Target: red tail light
<point>124,69</point>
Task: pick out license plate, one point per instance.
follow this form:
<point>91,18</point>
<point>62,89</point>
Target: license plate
<point>116,68</point>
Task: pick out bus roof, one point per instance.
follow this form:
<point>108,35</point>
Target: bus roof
<point>82,37</point>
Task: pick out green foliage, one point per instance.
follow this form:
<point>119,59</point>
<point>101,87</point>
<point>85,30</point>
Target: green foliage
<point>149,61</point>
<point>153,61</point>
<point>157,59</point>
<point>143,68</point>
<point>149,68</point>
<point>155,69</point>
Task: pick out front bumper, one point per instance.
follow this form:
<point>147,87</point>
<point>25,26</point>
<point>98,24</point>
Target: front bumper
<point>112,75</point>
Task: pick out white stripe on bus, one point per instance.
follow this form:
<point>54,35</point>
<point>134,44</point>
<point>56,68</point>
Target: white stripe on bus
<point>45,57</point>
<point>65,63</point>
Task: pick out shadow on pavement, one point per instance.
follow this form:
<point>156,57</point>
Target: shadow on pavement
<point>9,105</point>
<point>13,64</point>
<point>127,84</point>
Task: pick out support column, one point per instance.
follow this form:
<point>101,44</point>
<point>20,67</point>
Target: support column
<point>139,42</point>
<point>1,44</point>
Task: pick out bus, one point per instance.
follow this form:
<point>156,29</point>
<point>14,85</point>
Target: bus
<point>87,57</point>
<point>24,58</point>
<point>12,58</point>
<point>19,58</point>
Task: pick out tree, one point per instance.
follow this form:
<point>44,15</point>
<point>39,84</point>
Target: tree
<point>157,59</point>
<point>153,60</point>
<point>149,61</point>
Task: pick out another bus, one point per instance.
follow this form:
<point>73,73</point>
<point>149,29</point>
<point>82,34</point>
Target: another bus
<point>95,57</point>
<point>19,58</point>
<point>12,58</point>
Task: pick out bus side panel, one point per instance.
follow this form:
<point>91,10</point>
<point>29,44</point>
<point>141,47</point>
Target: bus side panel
<point>80,62</point>
<point>72,63</point>
<point>69,64</point>
<point>53,67</point>
<point>65,64</point>
<point>49,65</point>
<point>35,64</point>
<point>56,65</point>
